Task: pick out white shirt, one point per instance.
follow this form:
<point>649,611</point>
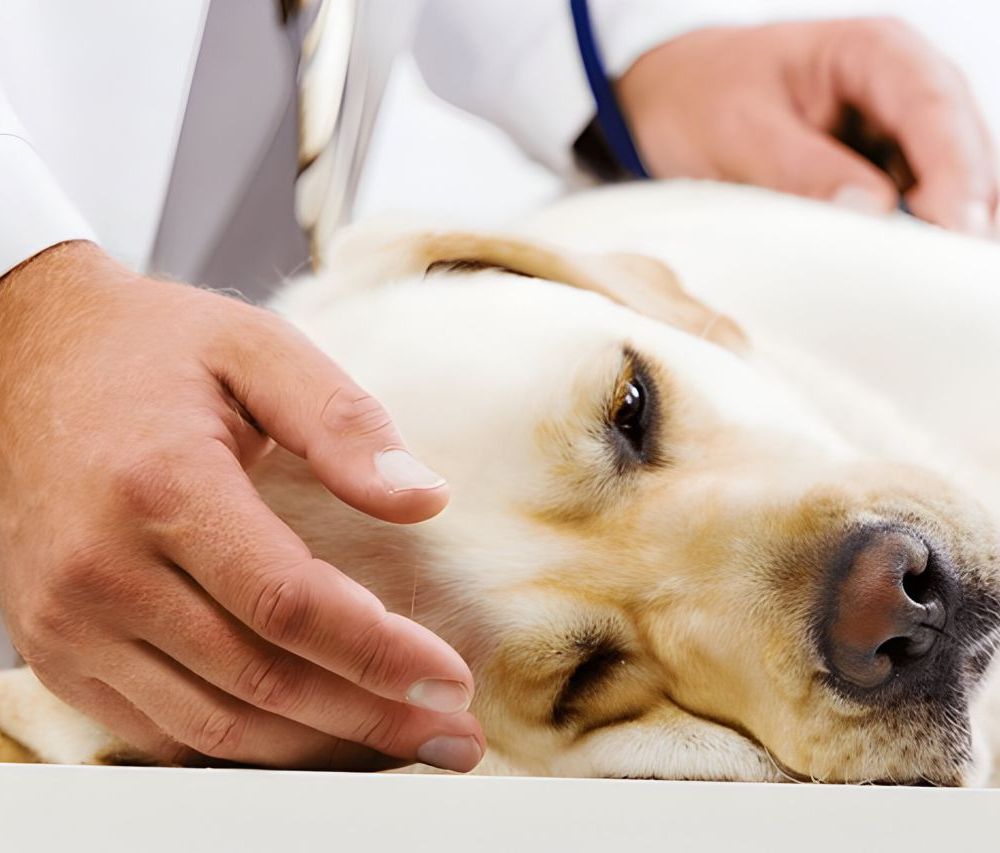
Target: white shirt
<point>93,96</point>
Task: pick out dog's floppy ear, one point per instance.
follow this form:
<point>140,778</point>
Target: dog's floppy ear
<point>364,257</point>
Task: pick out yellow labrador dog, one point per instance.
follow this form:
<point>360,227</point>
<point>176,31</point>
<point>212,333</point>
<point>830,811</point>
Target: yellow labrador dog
<point>679,546</point>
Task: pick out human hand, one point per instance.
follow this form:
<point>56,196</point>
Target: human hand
<point>763,105</point>
<point>142,577</point>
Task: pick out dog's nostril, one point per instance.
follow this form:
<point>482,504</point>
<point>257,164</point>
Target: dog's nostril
<point>901,651</point>
<point>886,609</point>
<point>917,580</point>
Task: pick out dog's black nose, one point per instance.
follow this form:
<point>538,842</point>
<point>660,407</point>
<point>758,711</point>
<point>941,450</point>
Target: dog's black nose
<point>889,605</point>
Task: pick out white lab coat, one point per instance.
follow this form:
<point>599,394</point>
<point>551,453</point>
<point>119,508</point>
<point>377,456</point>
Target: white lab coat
<point>93,94</point>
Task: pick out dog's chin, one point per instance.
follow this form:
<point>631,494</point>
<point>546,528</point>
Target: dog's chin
<point>709,752</point>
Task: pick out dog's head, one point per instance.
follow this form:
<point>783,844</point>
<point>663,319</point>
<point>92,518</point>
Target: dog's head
<point>659,560</point>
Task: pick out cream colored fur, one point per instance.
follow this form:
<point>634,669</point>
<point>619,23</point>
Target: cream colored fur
<point>861,391</point>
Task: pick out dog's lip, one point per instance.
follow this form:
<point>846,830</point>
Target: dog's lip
<point>790,775</point>
<point>799,779</point>
<point>787,774</point>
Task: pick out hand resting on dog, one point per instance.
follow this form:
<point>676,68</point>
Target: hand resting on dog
<point>141,576</point>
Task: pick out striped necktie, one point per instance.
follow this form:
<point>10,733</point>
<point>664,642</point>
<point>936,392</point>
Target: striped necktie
<point>348,47</point>
<point>335,117</point>
<point>332,135</point>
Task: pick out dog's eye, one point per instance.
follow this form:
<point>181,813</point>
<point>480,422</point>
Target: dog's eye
<point>632,416</point>
<point>628,418</point>
<point>630,421</point>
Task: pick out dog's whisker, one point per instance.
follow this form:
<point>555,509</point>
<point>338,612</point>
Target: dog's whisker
<point>413,594</point>
<point>709,325</point>
<point>288,277</point>
<point>789,777</point>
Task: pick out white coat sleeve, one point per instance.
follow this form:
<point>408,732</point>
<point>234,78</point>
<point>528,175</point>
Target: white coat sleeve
<point>517,64</point>
<point>34,212</point>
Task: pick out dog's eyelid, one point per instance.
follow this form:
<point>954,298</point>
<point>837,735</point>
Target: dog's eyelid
<point>468,265</point>
<point>595,659</point>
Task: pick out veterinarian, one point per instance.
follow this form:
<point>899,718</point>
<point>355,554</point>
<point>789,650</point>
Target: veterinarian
<point>140,574</point>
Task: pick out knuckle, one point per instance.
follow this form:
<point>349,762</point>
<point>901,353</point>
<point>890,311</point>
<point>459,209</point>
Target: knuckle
<point>374,658</point>
<point>149,487</point>
<point>274,683</point>
<point>37,649</point>
<point>48,625</point>
<point>220,734</point>
<point>175,754</point>
<point>282,610</point>
<point>160,749</point>
<point>876,37</point>
<point>263,321</point>
<point>933,82</point>
<point>380,730</point>
<point>81,574</point>
<point>886,28</point>
<point>247,331</point>
<point>938,100</point>
<point>351,413</point>
<point>59,612</point>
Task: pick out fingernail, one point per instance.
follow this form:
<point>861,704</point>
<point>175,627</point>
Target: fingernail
<point>445,697</point>
<point>975,219</point>
<point>451,753</point>
<point>859,199</point>
<point>403,473</point>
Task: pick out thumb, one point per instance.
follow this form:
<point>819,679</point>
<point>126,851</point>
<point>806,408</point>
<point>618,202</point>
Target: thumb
<point>311,407</point>
<point>803,160</point>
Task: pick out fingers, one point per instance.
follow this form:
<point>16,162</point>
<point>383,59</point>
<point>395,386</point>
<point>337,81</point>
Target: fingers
<point>955,179</point>
<point>314,409</point>
<point>249,561</point>
<point>908,90</point>
<point>205,720</point>
<point>796,158</point>
<point>229,656</point>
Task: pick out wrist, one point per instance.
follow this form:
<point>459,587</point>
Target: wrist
<point>39,276</point>
<point>50,297</point>
<point>49,255</point>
